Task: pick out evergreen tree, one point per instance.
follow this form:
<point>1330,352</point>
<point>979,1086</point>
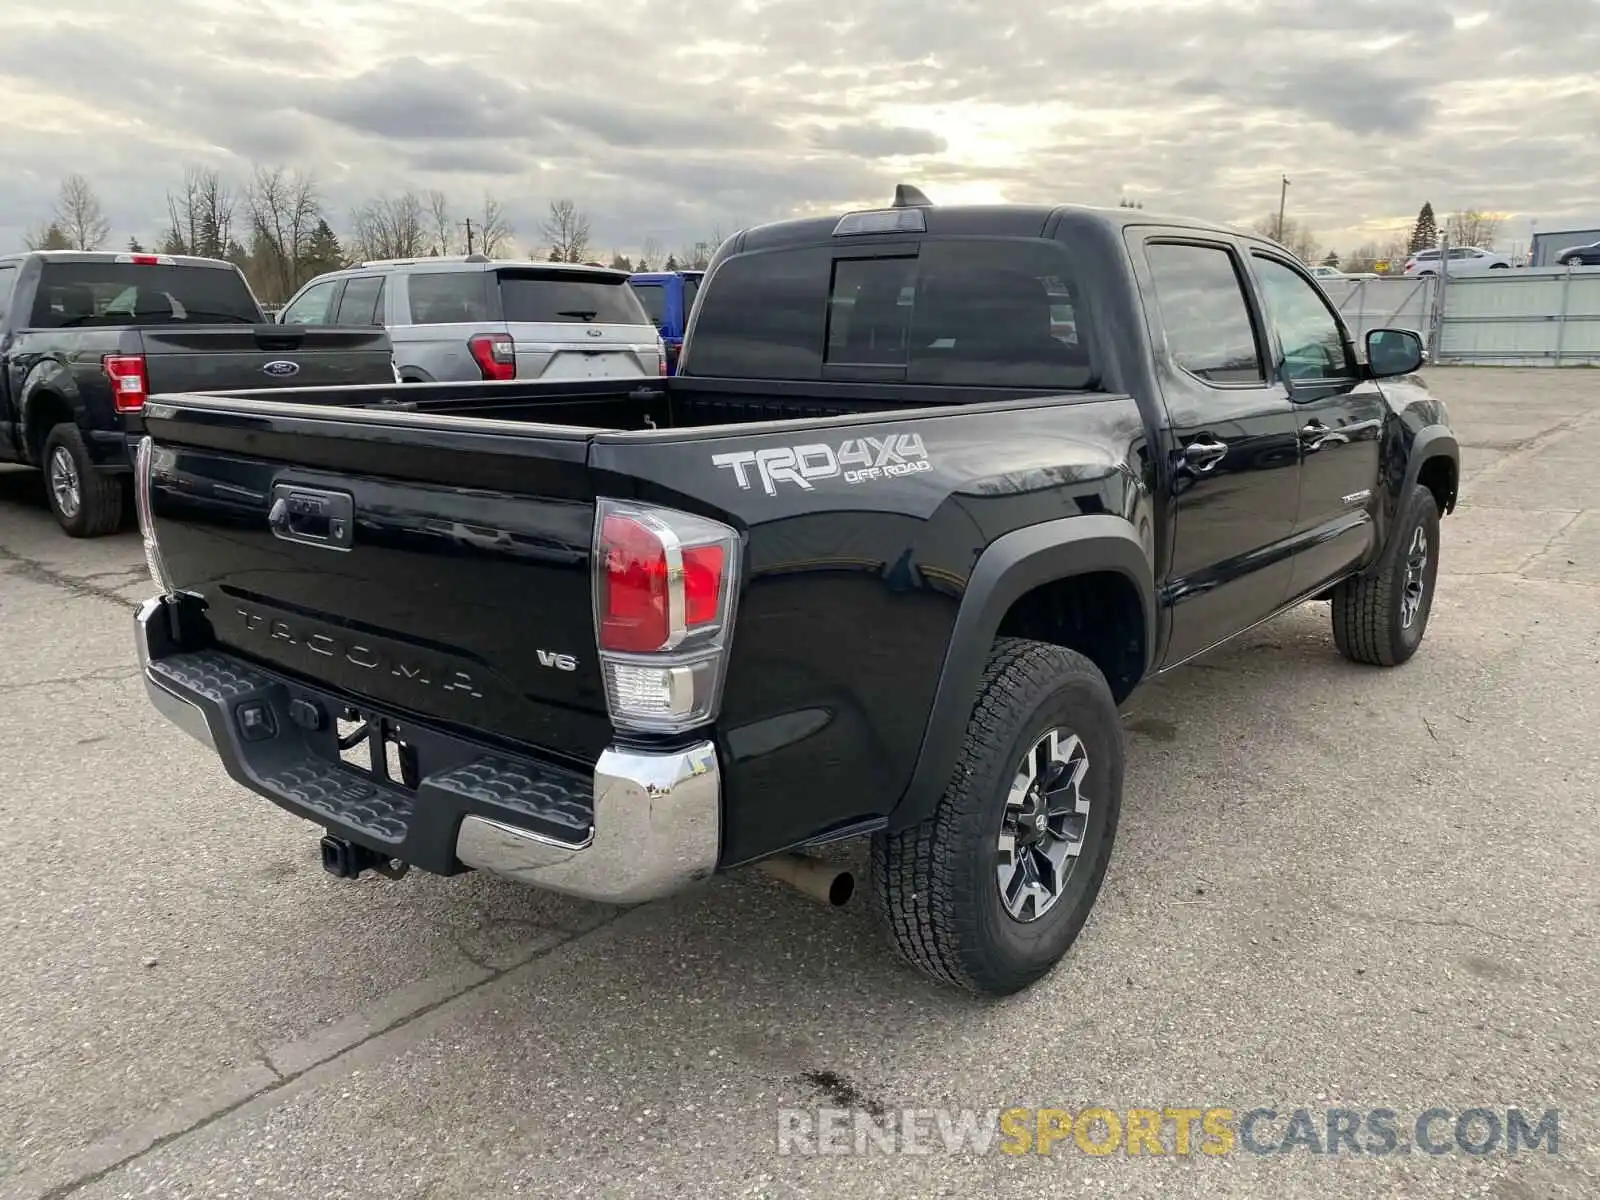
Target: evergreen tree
<point>1332,260</point>
<point>1425,233</point>
<point>322,252</point>
<point>134,247</point>
<point>671,264</point>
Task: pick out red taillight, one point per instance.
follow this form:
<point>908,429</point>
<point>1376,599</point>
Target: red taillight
<point>495,354</point>
<point>129,385</point>
<point>146,260</point>
<point>635,612</point>
<point>664,586</point>
<point>645,604</point>
<point>661,357</point>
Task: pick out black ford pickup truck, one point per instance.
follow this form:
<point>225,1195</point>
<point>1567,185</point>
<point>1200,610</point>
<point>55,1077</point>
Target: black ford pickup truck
<point>85,337</point>
<point>934,490</point>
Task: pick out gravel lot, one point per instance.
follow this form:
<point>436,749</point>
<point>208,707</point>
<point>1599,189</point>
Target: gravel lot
<point>1333,886</point>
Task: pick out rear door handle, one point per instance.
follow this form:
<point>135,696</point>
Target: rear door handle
<point>1204,454</point>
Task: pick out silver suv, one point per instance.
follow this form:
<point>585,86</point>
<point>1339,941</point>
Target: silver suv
<point>480,318</point>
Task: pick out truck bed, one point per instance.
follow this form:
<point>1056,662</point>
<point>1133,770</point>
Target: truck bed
<point>621,405</point>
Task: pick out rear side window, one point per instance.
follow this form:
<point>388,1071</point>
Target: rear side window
<point>361,302</point>
<point>567,297</point>
<point>957,312</point>
<point>654,298</point>
<point>448,297</point>
<point>1204,313</point>
<point>82,294</point>
<point>691,289</point>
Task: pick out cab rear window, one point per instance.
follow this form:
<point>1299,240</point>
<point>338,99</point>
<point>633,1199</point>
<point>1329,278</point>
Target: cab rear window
<point>954,311</point>
<point>87,293</point>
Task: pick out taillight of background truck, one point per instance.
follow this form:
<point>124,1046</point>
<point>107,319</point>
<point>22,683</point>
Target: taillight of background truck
<point>495,354</point>
<point>664,590</point>
<point>129,384</point>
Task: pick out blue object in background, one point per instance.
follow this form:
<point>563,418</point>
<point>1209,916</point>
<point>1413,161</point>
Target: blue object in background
<point>668,296</point>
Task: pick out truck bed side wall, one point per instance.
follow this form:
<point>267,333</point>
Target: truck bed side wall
<point>854,582</point>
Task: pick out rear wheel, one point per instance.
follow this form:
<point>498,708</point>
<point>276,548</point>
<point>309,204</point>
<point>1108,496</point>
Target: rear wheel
<point>1379,618</point>
<point>86,501</point>
<point>990,891</point>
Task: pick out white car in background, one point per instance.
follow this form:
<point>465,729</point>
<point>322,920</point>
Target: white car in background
<point>1464,260</point>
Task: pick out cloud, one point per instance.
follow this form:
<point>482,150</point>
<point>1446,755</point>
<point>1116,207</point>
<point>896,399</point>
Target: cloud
<point>664,120</point>
<point>873,139</point>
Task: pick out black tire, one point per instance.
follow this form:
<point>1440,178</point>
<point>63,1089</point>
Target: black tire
<point>1499,266</point>
<point>935,884</point>
<point>1369,611</point>
<point>99,509</point>
<point>1574,261</point>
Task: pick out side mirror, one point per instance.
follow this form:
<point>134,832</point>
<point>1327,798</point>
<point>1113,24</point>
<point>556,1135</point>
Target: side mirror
<point>1392,352</point>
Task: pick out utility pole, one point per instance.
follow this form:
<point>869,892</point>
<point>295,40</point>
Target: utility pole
<point>468,224</point>
<point>1283,196</point>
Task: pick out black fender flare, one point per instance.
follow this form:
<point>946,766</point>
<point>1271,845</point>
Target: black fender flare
<point>1009,568</point>
<point>1432,441</point>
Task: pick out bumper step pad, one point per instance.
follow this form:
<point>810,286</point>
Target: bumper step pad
<point>299,768</point>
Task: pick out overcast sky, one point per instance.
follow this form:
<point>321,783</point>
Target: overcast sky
<point>666,118</point>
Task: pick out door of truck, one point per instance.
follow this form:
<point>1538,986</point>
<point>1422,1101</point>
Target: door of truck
<point>1340,418</point>
<point>1233,451</point>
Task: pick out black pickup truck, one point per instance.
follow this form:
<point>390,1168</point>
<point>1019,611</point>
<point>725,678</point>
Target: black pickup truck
<point>86,337</point>
<point>934,490</point>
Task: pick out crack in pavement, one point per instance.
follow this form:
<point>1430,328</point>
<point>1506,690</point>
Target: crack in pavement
<point>36,572</point>
<point>98,675</point>
<point>278,1079</point>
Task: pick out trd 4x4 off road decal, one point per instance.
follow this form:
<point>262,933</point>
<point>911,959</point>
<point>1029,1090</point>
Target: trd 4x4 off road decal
<point>858,460</point>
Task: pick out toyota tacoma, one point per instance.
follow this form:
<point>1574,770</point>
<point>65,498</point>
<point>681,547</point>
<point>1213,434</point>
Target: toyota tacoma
<point>933,490</point>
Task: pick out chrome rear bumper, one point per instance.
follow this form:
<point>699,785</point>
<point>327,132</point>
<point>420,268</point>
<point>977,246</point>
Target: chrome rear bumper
<point>654,820</point>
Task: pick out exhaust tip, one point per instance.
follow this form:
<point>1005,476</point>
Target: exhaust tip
<point>842,888</point>
<point>827,882</point>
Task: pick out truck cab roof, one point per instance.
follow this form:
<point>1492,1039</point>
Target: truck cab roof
<point>975,220</point>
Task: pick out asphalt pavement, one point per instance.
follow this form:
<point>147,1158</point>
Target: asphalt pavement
<point>1333,888</point>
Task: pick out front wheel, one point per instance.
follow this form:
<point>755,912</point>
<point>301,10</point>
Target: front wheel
<point>1379,617</point>
<point>991,890</point>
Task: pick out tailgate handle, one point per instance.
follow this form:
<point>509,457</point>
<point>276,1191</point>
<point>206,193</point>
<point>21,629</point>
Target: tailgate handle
<point>312,517</point>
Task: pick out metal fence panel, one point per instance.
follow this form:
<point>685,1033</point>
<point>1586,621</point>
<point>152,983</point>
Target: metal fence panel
<point>1392,302</point>
<point>1539,317</point>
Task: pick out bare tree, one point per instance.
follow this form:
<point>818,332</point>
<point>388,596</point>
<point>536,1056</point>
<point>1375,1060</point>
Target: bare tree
<point>567,231</point>
<point>1294,236</point>
<point>695,257</point>
<point>1472,227</point>
<point>649,254</point>
<point>494,230</point>
<point>390,227</point>
<point>46,237</point>
<point>79,215</point>
<point>200,217</point>
<point>284,214</point>
<point>441,222</point>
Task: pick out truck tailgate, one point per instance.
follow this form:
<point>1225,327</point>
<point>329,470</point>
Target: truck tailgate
<point>435,566</point>
<point>221,357</point>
